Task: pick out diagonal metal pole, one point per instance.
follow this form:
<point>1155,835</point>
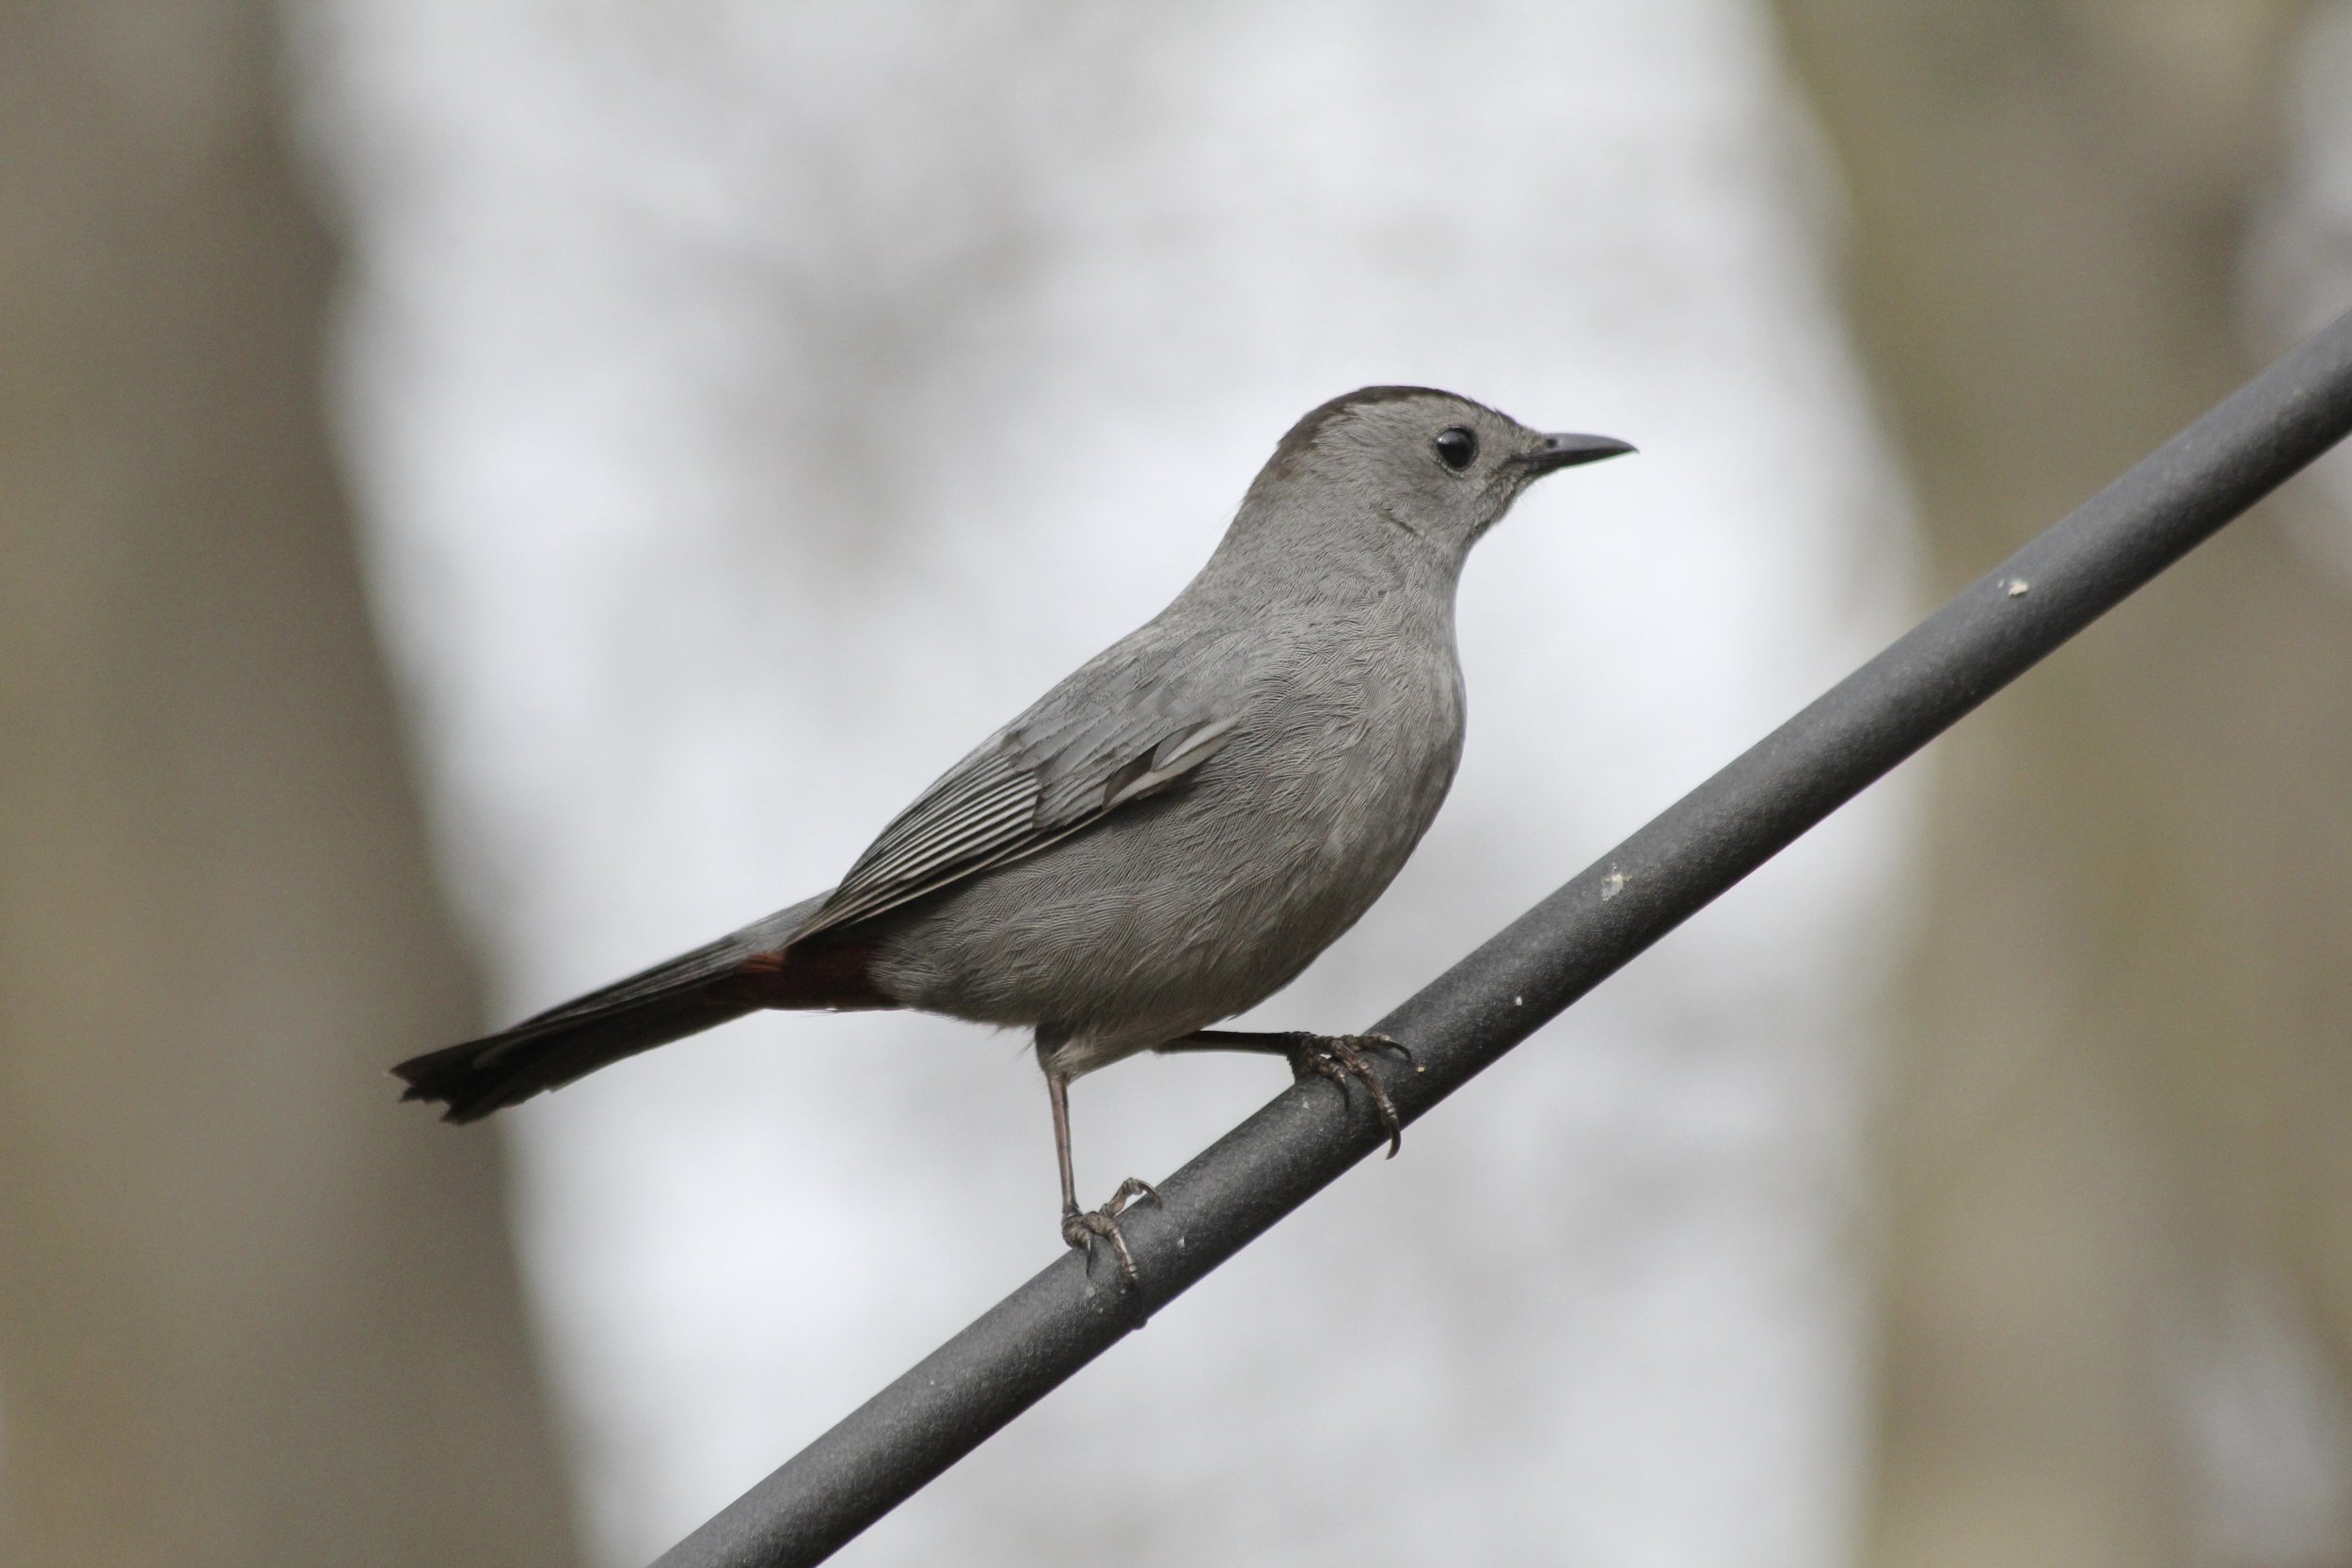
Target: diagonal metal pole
<point>1986,637</point>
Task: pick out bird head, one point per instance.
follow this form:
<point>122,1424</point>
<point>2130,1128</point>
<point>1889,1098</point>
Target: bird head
<point>1427,463</point>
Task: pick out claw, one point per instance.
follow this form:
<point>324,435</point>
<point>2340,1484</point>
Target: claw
<point>1079,1227</point>
<point>1341,1057</point>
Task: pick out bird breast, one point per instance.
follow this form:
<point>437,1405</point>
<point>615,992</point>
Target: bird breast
<point>1177,911</point>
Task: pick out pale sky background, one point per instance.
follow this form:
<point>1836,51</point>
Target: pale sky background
<point>752,406</point>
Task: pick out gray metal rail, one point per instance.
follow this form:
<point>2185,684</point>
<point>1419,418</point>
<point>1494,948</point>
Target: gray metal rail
<point>1986,637</point>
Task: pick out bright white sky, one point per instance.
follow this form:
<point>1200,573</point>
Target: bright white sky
<point>754,406</point>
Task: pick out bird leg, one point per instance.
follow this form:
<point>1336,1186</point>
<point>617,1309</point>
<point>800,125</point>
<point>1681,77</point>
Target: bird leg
<point>1338,1057</point>
<point>1079,1226</point>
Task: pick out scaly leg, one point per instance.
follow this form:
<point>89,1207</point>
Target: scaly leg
<point>1080,1226</point>
<point>1338,1057</point>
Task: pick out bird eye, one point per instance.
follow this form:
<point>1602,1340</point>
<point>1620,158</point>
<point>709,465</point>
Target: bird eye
<point>1455,447</point>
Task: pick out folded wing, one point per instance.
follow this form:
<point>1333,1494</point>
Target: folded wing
<point>1031,786</point>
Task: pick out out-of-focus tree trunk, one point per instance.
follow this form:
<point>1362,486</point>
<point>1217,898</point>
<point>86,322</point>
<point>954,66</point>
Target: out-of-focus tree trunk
<point>2122,1093</point>
<point>251,1312</point>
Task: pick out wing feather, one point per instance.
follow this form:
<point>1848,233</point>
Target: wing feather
<point>1010,800</point>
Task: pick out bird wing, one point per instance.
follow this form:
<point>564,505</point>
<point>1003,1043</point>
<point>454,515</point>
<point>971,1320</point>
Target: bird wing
<point>1034,784</point>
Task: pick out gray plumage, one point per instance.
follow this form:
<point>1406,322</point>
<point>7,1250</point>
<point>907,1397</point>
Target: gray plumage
<point>1174,831</point>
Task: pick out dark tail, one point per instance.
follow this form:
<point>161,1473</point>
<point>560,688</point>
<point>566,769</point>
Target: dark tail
<point>737,975</point>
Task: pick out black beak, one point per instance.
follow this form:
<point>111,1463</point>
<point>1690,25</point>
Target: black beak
<point>1566,452</point>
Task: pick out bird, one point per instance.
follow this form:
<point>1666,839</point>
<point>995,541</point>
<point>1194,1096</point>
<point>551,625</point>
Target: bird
<point>1169,835</point>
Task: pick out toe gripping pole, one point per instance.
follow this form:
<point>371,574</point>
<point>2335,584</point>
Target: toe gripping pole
<point>1986,637</point>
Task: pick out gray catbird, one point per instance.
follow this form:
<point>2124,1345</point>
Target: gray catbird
<point>1169,835</point>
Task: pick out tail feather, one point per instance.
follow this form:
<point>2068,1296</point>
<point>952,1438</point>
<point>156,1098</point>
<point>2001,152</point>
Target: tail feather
<point>737,975</point>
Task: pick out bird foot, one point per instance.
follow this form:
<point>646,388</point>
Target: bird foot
<point>1341,1057</point>
<point>1079,1227</point>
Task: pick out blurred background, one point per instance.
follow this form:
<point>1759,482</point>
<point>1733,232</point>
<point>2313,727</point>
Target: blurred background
<point>494,494</point>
